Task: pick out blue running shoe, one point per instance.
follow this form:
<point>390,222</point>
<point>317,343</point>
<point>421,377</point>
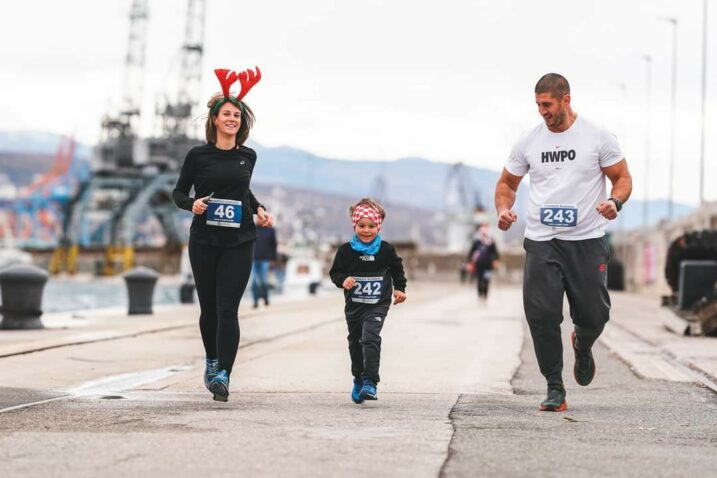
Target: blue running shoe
<point>219,386</point>
<point>368,391</point>
<point>356,392</point>
<point>210,371</point>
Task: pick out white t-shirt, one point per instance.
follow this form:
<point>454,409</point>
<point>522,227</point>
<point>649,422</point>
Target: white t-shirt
<point>566,182</point>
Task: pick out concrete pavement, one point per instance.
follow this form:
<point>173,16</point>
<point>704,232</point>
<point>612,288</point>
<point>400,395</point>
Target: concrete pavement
<point>115,396</point>
<point>137,402</point>
<point>619,426</point>
<point>638,335</point>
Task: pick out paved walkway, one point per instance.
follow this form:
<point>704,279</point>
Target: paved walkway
<point>137,402</point>
<point>618,426</point>
<point>110,395</point>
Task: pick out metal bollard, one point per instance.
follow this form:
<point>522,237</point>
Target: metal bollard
<point>21,287</point>
<point>140,289</point>
<point>697,280</point>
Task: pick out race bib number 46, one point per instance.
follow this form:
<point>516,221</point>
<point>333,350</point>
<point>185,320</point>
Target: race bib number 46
<point>224,213</point>
<point>367,290</point>
<point>559,216</point>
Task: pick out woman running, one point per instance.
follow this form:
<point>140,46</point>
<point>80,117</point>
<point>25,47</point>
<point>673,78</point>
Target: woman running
<point>222,235</point>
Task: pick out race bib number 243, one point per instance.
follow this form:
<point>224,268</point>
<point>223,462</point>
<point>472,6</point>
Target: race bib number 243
<point>559,216</point>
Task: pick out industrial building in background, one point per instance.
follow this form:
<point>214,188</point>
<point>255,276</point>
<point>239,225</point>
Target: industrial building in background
<point>127,200</point>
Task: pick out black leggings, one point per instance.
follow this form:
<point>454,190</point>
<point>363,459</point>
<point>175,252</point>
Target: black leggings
<point>221,275</point>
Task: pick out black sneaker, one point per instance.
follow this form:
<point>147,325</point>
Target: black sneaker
<point>584,369</point>
<point>555,401</point>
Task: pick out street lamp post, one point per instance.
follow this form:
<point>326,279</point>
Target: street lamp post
<point>673,112</point>
<point>704,101</point>
<point>648,118</point>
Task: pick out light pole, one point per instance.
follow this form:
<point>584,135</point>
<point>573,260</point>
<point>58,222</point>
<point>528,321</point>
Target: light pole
<point>648,115</point>
<point>622,134</point>
<point>673,112</point>
<point>704,101</point>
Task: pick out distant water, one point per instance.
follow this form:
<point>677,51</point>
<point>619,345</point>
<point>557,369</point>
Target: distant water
<point>64,295</point>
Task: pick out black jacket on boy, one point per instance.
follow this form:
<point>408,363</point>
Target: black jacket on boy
<point>376,276</point>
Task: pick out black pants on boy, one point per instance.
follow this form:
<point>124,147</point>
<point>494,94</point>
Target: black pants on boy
<point>365,344</point>
<point>483,276</point>
<point>221,275</point>
<point>555,268</point>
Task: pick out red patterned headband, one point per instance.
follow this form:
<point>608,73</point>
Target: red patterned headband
<point>227,78</point>
<point>362,210</point>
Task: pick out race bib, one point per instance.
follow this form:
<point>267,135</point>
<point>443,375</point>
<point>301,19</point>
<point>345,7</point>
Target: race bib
<point>224,213</point>
<point>367,290</point>
<point>559,216</point>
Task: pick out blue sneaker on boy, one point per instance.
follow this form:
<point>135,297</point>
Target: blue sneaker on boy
<point>368,391</point>
<point>356,391</point>
<point>219,386</point>
<point>210,371</point>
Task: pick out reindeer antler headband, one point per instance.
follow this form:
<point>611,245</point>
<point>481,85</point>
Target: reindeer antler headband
<point>227,78</point>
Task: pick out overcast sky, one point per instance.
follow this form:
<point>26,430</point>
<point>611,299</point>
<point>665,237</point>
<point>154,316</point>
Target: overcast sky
<point>449,81</point>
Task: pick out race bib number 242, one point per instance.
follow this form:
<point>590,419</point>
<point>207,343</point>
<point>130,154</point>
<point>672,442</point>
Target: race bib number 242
<point>367,290</point>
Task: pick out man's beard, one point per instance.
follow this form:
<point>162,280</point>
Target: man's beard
<point>559,118</point>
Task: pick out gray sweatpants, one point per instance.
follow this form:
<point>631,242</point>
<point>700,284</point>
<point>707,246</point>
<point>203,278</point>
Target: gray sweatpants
<point>554,268</point>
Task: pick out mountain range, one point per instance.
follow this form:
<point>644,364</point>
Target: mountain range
<point>416,182</point>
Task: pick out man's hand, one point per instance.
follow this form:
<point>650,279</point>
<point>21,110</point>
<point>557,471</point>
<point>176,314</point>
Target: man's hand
<point>200,205</point>
<point>506,218</point>
<point>264,219</point>
<point>607,209</point>
<point>398,297</point>
<point>349,283</point>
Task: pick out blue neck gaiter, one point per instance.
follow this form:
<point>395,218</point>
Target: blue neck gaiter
<point>370,248</point>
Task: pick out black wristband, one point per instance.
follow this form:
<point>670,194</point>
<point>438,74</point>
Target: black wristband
<point>618,203</point>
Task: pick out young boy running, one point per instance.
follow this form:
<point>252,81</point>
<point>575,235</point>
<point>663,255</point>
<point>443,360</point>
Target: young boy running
<point>368,269</point>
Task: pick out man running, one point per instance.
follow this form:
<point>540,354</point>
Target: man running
<point>568,158</point>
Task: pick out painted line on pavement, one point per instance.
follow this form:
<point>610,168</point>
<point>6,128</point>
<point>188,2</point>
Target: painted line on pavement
<point>40,402</point>
<point>300,306</point>
<point>107,385</point>
<point>97,340</point>
<point>128,381</point>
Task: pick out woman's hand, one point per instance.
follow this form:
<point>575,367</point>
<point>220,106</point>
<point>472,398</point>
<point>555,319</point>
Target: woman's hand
<point>398,297</point>
<point>264,219</point>
<point>200,205</point>
<point>349,283</point>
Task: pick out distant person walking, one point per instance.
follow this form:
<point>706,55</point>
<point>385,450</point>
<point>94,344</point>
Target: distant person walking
<point>483,258</point>
<point>221,238</point>
<point>264,256</point>
<point>568,158</point>
<point>370,271</point>
<point>282,259</point>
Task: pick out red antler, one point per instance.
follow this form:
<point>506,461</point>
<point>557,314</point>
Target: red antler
<point>226,79</point>
<point>248,79</point>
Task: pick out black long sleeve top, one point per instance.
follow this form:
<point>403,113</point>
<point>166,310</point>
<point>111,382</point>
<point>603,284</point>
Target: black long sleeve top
<point>386,264</point>
<point>487,253</point>
<point>227,174</point>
